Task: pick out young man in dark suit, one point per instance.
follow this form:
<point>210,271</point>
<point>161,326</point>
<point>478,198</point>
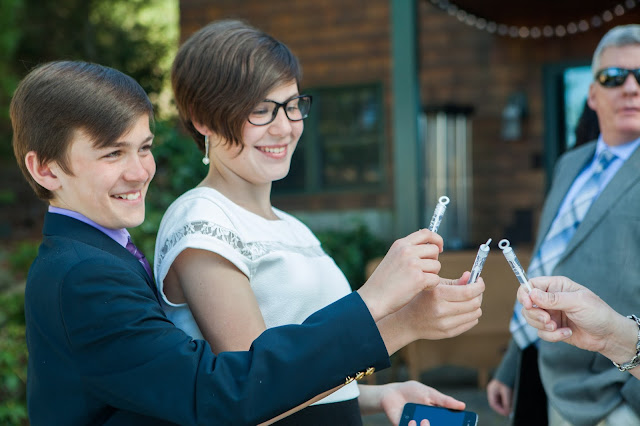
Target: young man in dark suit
<point>101,351</point>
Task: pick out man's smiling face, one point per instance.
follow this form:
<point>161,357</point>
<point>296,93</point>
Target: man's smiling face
<point>109,184</point>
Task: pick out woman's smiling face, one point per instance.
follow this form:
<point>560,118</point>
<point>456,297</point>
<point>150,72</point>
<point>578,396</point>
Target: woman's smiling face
<point>267,151</point>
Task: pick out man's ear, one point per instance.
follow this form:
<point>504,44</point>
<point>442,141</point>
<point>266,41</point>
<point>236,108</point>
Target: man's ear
<point>44,174</point>
<point>591,97</point>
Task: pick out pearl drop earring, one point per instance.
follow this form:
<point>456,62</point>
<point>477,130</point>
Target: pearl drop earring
<point>205,159</point>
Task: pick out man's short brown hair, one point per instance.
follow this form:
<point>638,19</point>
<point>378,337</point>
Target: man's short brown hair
<point>57,99</point>
<point>223,71</point>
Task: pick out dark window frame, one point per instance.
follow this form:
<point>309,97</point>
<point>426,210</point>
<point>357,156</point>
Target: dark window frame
<point>312,148</point>
<point>554,113</point>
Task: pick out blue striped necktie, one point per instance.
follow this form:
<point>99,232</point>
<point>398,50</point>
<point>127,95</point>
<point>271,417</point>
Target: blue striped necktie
<point>563,228</point>
<point>555,242</point>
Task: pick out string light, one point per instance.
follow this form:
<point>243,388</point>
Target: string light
<point>546,31</point>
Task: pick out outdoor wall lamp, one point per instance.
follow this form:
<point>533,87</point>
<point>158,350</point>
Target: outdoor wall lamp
<point>512,116</point>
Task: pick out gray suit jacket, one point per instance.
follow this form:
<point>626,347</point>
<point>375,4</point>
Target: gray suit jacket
<point>603,255</point>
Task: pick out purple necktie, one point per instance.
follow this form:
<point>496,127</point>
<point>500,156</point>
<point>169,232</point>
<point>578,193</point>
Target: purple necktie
<point>140,256</point>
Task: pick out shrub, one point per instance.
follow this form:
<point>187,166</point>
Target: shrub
<point>21,257</point>
<point>13,360</point>
<point>351,250</point>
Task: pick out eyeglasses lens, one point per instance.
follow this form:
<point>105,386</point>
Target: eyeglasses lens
<point>296,109</point>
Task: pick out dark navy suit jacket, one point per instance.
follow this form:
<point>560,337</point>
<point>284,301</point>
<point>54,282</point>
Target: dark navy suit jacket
<point>101,351</point>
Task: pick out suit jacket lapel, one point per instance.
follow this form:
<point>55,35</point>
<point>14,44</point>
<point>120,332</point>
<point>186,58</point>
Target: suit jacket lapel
<point>628,175</point>
<point>68,227</point>
<point>566,174</point>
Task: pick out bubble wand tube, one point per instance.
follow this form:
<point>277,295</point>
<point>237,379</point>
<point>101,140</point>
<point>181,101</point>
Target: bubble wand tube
<point>438,213</point>
<point>483,252</point>
<point>513,261</point>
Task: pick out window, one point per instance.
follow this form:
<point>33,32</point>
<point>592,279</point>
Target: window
<point>342,144</point>
<point>566,86</point>
<point>576,88</point>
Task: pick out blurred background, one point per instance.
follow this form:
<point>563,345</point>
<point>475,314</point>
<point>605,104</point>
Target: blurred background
<point>413,99</point>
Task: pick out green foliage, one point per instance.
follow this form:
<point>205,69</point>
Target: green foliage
<point>7,196</point>
<point>351,250</point>
<point>138,37</point>
<point>13,360</point>
<point>178,168</point>
<point>9,38</point>
<point>22,256</point>
<point>12,308</point>
<point>109,32</point>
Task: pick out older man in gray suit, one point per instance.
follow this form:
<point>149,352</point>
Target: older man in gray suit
<point>590,232</point>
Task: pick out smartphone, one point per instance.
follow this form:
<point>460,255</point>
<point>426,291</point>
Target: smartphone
<point>437,416</point>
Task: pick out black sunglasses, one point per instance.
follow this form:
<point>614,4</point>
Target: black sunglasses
<point>615,76</point>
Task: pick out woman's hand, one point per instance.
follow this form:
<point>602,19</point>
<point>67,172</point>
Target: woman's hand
<point>410,266</point>
<point>392,397</point>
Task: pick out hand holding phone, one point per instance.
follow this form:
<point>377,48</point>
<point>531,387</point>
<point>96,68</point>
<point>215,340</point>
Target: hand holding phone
<point>437,416</point>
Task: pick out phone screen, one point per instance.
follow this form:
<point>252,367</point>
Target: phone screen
<point>437,416</point>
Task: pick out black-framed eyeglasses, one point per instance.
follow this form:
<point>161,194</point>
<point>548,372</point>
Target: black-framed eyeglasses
<point>616,76</point>
<point>295,109</point>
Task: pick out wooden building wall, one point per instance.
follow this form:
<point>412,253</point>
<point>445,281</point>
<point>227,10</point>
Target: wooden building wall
<point>337,42</point>
<point>348,42</point>
<point>463,65</point>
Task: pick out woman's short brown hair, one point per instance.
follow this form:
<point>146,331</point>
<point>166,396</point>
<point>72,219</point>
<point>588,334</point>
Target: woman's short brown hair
<point>57,99</point>
<point>223,71</point>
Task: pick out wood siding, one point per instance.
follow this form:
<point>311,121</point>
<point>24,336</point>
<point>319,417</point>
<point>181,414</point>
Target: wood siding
<point>348,42</point>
